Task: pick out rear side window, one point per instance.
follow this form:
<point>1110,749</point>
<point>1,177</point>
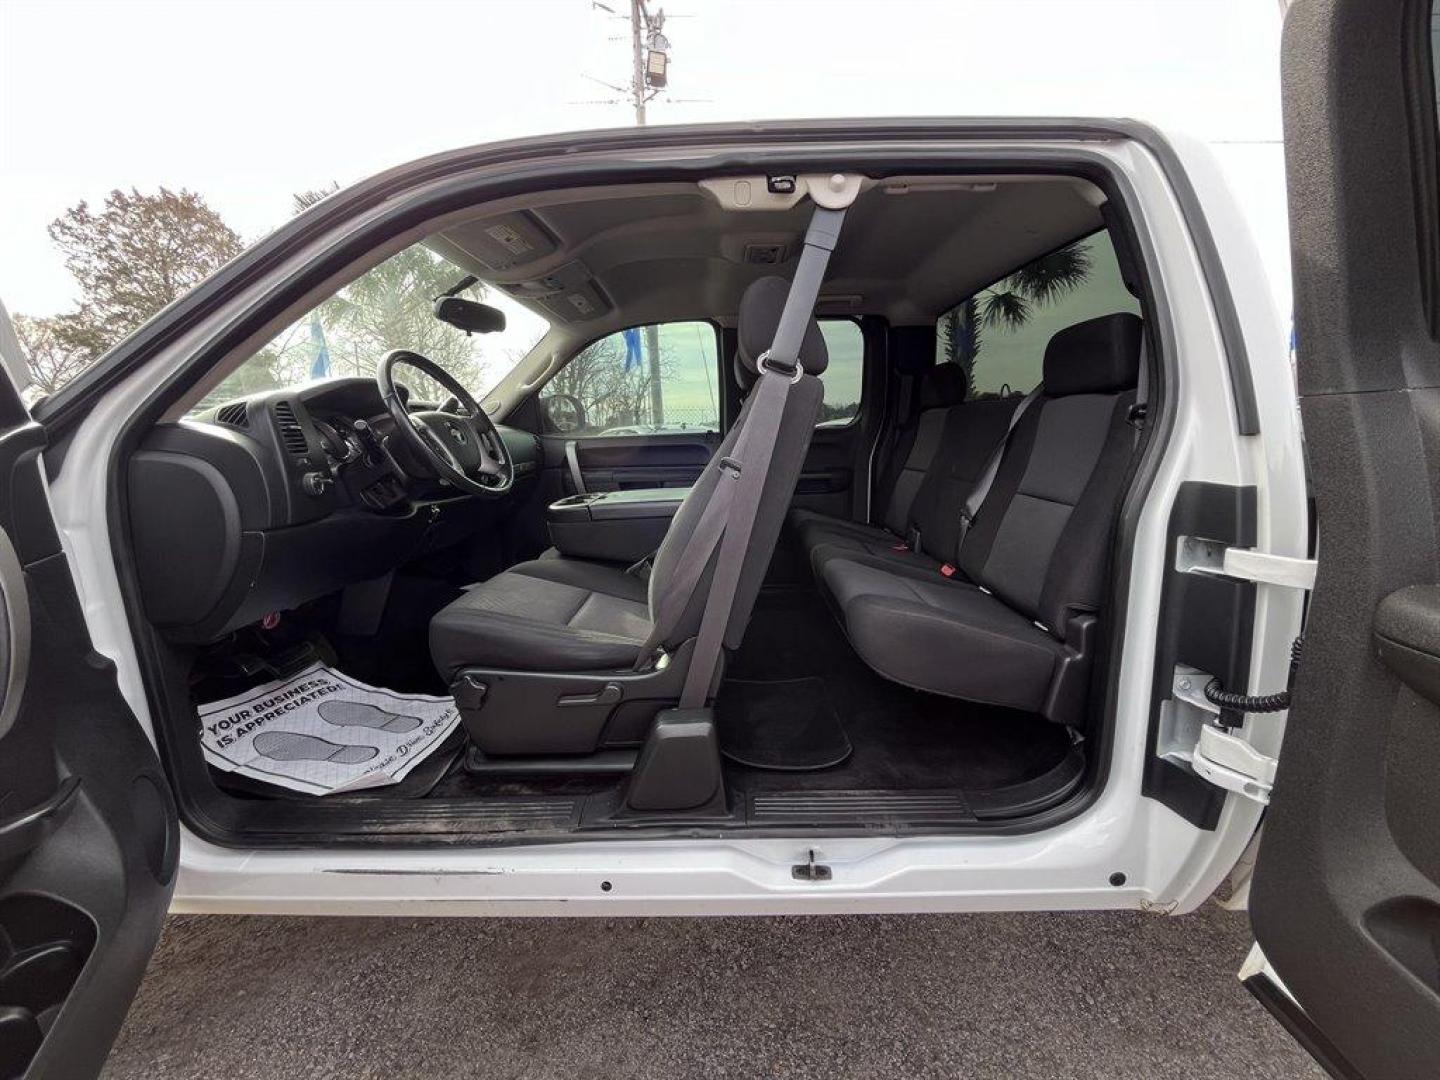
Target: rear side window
<point>648,380</point>
<point>999,335</point>
<point>844,375</point>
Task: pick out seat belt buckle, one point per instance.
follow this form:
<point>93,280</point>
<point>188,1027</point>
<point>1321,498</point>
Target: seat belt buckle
<point>912,538</point>
<point>947,570</point>
<point>730,465</point>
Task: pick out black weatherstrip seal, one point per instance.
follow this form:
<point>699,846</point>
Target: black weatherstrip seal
<point>1300,1027</point>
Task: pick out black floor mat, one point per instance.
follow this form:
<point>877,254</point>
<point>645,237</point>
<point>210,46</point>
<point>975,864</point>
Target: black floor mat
<point>785,724</point>
<point>902,739</point>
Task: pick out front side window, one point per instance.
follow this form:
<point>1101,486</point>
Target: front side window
<point>389,307</point>
<point>998,336</point>
<point>844,375</point>
<point>648,380</point>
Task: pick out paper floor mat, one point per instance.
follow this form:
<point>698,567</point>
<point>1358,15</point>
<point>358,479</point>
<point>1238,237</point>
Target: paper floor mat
<point>322,732</point>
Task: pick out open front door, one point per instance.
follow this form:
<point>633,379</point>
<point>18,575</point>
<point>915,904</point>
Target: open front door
<point>1346,898</point>
<point>88,831</point>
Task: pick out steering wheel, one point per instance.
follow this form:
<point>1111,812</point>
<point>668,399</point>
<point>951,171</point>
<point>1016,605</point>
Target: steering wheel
<point>462,446</point>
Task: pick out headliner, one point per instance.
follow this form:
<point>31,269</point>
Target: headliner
<point>595,259</point>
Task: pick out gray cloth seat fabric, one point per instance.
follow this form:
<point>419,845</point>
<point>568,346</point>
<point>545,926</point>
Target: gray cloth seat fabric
<point>564,614</point>
<point>1005,624</point>
<point>969,435</point>
<point>553,614</point>
<point>903,623</point>
<point>940,388</point>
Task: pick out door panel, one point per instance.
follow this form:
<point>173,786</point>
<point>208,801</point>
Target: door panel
<point>88,830</point>
<point>1346,897</point>
<point>850,419</point>
<point>639,461</point>
<point>827,477</point>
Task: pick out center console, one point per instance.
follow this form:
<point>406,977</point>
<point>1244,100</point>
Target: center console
<point>617,526</point>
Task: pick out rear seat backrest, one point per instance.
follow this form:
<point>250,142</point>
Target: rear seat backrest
<point>1041,539</point>
<point>942,386</point>
<point>971,433</point>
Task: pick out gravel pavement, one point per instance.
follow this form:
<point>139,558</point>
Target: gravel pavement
<point>1049,995</point>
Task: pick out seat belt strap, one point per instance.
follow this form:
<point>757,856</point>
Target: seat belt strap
<point>982,487</point>
<point>696,557</point>
<point>779,367</point>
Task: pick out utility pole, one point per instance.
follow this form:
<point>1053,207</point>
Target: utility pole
<point>640,21</point>
<point>650,64</point>
<point>637,50</point>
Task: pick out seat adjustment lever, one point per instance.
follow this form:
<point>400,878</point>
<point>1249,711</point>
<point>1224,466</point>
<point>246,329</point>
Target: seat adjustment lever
<point>609,694</point>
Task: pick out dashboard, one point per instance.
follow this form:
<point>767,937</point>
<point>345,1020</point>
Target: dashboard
<point>265,503</point>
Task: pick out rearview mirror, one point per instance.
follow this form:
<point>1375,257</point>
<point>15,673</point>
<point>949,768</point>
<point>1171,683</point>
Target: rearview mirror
<point>469,315</point>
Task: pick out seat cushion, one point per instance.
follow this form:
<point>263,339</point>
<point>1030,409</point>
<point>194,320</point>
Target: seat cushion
<point>812,527</point>
<point>946,636</point>
<point>554,614</point>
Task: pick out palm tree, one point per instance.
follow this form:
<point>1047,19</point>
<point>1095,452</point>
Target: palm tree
<point>1009,303</point>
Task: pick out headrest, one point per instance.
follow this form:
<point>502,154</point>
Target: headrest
<point>943,385</point>
<point>760,310</point>
<point>1098,356</point>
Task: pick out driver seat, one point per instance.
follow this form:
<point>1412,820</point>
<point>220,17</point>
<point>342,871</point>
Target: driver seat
<point>587,630</point>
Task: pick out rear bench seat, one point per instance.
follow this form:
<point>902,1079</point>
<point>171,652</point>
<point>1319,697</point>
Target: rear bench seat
<point>1006,614</point>
<point>948,447</point>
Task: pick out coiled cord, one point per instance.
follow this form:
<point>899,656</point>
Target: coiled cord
<point>1223,699</point>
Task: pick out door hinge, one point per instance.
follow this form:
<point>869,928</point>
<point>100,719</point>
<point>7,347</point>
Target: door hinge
<point>1200,556</point>
<point>1191,736</point>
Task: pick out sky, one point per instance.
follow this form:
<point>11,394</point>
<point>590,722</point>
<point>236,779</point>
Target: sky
<point>247,103</point>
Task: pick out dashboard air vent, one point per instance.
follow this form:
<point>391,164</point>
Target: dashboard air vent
<point>292,435</point>
<point>233,414</point>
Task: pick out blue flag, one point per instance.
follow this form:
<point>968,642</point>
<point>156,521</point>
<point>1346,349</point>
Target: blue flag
<point>320,368</point>
<point>634,354</point>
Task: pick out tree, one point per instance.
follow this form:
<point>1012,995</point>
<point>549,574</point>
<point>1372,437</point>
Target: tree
<point>50,362</point>
<point>137,254</point>
<point>1009,303</point>
<point>392,306</point>
<point>611,395</point>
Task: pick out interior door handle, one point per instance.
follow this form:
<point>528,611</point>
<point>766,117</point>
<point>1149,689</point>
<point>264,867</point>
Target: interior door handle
<point>1407,637</point>
<point>23,832</point>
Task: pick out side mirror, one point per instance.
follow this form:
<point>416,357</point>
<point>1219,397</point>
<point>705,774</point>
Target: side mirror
<point>563,413</point>
<point>469,315</point>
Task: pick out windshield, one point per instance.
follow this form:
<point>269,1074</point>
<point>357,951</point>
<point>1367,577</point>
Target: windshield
<point>389,307</point>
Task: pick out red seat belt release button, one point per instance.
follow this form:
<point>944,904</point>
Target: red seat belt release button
<point>947,570</point>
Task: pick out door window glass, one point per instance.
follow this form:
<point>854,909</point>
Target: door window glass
<point>998,336</point>
<point>648,380</point>
<point>844,376</point>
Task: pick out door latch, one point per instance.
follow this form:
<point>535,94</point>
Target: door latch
<point>810,870</point>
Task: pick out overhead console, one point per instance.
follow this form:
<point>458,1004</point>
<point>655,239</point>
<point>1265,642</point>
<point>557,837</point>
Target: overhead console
<point>570,293</point>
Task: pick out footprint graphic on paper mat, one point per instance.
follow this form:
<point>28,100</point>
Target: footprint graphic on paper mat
<point>293,746</point>
<point>359,714</point>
